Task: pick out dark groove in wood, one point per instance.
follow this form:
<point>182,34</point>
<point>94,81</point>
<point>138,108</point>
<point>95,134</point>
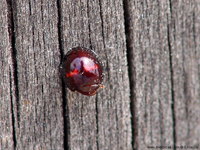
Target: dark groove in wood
<point>66,119</point>
<point>60,30</point>
<point>131,74</point>
<point>117,125</point>
<point>104,44</point>
<point>14,58</point>
<point>102,23</point>
<point>172,83</point>
<point>97,122</point>
<point>102,32</point>
<point>194,29</point>
<point>65,110</point>
<point>13,115</point>
<point>89,28</point>
<point>14,63</point>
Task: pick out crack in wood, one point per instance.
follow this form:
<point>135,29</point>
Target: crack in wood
<point>97,120</point>
<point>13,115</point>
<point>89,28</point>
<point>65,104</point>
<point>131,73</point>
<point>15,72</point>
<point>172,80</point>
<point>102,32</point>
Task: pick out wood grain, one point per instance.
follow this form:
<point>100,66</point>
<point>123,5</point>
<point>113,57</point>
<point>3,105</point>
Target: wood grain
<point>149,62</point>
<point>185,50</point>
<point>40,122</point>
<point>102,121</point>
<point>151,56</point>
<point>6,81</point>
<point>163,43</point>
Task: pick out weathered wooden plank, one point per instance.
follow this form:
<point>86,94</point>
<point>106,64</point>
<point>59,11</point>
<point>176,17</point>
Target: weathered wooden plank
<point>147,40</point>
<point>40,120</point>
<point>6,81</point>
<point>185,49</point>
<point>102,121</point>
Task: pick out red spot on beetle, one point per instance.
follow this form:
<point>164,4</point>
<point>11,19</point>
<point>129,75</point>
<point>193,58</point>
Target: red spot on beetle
<point>82,71</point>
<point>72,73</point>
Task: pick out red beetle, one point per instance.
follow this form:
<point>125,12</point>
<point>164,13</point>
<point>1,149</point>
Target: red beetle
<point>82,71</point>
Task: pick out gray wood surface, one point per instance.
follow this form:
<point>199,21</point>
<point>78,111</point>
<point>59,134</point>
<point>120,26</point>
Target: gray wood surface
<point>163,43</point>
<point>101,121</point>
<point>147,34</point>
<point>39,125</point>
<point>6,81</point>
<point>185,49</point>
<point>151,56</point>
